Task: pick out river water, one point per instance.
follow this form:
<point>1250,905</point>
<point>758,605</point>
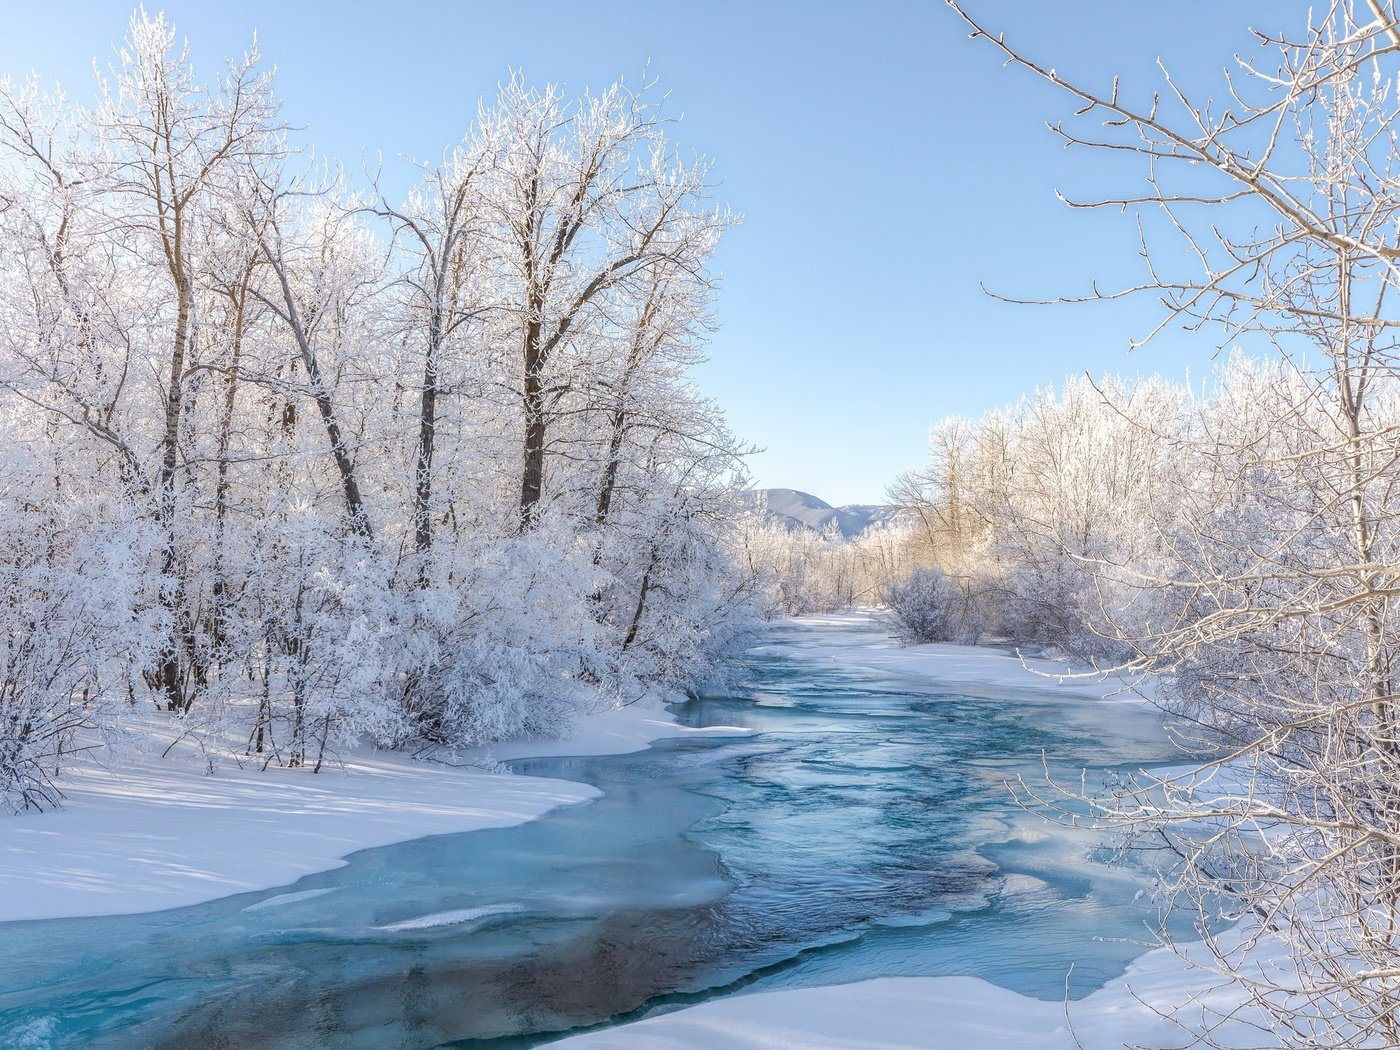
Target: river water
<point>864,830</point>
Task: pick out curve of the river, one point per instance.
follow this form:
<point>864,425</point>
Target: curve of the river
<point>865,830</point>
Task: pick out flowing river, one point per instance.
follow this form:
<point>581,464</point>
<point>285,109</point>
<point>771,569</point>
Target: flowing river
<point>864,830</point>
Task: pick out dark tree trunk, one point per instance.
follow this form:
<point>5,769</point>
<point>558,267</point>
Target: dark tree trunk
<point>354,503</point>
<point>221,483</point>
<point>169,677</point>
<point>642,593</point>
<point>427,423</point>
<point>532,473</point>
<point>605,494</point>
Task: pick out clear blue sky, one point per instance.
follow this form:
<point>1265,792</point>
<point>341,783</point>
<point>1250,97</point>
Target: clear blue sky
<point>884,164</point>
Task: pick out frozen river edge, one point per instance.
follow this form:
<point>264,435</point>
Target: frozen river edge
<point>152,834</point>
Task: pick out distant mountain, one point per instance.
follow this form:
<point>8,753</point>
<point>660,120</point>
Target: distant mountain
<point>803,510</point>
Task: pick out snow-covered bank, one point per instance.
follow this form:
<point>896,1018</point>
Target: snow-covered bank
<point>162,834</point>
<point>947,665</point>
<point>151,834</point>
<point>960,1013</point>
<point>154,834</point>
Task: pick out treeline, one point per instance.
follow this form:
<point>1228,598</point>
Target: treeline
<point>801,571</point>
<point>1100,518</point>
<point>1035,515</point>
<point>300,465</point>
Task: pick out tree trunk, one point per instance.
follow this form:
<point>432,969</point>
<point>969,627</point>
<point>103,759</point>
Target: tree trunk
<point>350,486</point>
<point>427,422</point>
<point>221,482</point>
<point>532,472</point>
<point>642,593</point>
<point>605,494</point>
<point>168,672</point>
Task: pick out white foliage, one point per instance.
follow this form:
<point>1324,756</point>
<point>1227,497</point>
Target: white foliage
<point>299,469</point>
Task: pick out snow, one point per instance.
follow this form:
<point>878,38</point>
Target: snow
<point>919,1012</point>
<point>948,665</point>
<point>452,918</point>
<point>288,898</point>
<point>153,834</point>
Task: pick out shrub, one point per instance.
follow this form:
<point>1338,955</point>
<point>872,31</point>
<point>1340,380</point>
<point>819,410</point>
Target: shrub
<point>929,606</point>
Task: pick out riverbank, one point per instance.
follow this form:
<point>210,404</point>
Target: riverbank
<point>945,665</point>
<point>155,833</point>
<point>161,834</point>
<point>1146,1007</point>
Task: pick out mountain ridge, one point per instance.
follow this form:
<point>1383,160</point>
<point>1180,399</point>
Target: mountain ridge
<point>797,509</point>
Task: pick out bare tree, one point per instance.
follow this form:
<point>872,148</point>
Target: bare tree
<point>316,280</point>
<point>441,226</point>
<point>170,149</point>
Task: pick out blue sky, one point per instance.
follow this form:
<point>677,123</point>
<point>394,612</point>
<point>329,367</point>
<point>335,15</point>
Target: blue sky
<point>884,164</point>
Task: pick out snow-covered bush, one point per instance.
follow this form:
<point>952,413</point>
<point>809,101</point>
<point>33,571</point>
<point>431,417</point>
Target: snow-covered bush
<point>929,606</point>
<point>75,632</point>
<point>673,603</point>
<point>1052,604</point>
<point>495,652</point>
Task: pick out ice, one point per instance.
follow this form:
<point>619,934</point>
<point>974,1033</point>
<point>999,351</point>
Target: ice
<point>451,918</point>
<point>288,898</point>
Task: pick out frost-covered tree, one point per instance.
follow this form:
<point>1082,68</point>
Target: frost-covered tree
<point>1020,506</point>
<point>442,229</point>
<point>393,473</point>
<point>76,629</point>
<point>801,571</point>
<point>587,197</point>
<point>167,153</point>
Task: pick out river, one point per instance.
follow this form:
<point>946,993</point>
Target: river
<point>864,829</point>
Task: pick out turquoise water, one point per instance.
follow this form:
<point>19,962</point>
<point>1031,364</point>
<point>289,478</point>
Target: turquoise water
<point>865,830</point>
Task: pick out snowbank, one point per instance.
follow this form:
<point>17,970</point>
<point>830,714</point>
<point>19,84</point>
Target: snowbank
<point>155,834</point>
<point>947,665</point>
<point>896,1013</point>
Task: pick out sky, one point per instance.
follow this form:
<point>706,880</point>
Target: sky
<point>886,167</point>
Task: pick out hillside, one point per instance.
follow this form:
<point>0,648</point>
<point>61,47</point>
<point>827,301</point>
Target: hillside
<point>803,510</point>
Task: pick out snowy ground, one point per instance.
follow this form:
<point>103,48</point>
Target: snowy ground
<point>957,1013</point>
<point>155,834</point>
<point>950,665</point>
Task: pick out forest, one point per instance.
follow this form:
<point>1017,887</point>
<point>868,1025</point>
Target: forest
<point>296,466</point>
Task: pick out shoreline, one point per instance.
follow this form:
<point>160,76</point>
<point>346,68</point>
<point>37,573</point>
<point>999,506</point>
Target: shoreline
<point>153,834</point>
<point>904,1013</point>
